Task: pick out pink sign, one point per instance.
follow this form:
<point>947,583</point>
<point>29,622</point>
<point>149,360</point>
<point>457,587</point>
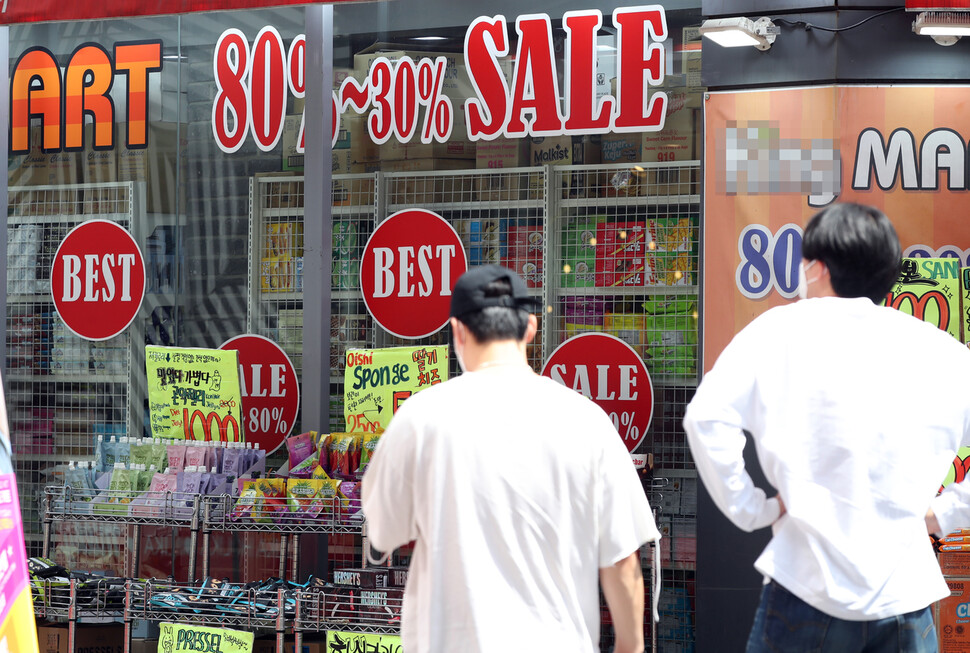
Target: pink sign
<point>608,371</point>
<point>409,266</point>
<point>17,629</point>
<point>98,279</point>
<point>270,390</point>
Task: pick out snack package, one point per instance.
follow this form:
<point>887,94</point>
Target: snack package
<point>271,499</point>
<point>300,492</point>
<point>158,499</point>
<point>176,457</point>
<point>305,468</point>
<point>233,460</point>
<point>328,501</point>
<point>214,452</point>
<point>143,478</point>
<point>123,452</point>
<point>246,501</point>
<point>78,480</point>
<point>368,445</point>
<point>106,453</point>
<point>159,455</point>
<point>213,482</point>
<point>190,481</point>
<point>116,500</point>
<point>140,453</point>
<point>323,449</point>
<point>319,472</point>
<point>195,455</point>
<point>345,454</point>
<point>300,447</point>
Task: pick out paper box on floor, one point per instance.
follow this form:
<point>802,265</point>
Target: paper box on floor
<point>87,639</point>
<point>953,617</point>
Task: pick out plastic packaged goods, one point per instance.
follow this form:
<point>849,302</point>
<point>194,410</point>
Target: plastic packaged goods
<point>243,508</point>
<point>140,453</point>
<point>305,468</point>
<point>106,453</point>
<point>123,451</point>
<point>301,493</point>
<point>368,445</point>
<point>232,462</point>
<point>300,447</point>
<point>195,454</point>
<point>176,457</point>
<point>78,480</point>
<point>159,454</point>
<point>271,499</point>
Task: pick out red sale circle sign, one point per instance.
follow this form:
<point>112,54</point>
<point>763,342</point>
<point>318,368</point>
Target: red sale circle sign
<point>98,279</point>
<point>608,371</point>
<point>410,264</point>
<point>269,387</point>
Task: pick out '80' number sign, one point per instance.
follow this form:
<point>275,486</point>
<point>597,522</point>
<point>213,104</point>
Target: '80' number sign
<point>769,261</point>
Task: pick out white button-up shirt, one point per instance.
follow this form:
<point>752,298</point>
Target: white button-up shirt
<point>856,411</point>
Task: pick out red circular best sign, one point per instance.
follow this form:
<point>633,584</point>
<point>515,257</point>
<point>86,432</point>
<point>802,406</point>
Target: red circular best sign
<point>98,279</point>
<point>410,264</point>
<point>612,374</point>
<point>270,390</point>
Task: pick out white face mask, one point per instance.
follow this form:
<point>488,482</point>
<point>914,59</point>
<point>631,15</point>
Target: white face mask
<point>803,279</point>
<point>458,357</point>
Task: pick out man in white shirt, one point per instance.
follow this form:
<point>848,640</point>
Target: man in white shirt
<point>856,412</point>
<point>521,499</point>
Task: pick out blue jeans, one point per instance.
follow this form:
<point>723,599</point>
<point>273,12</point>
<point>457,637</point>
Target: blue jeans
<point>785,623</point>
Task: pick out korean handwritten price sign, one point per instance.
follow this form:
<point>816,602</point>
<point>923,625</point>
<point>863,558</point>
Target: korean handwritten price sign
<point>377,381</point>
<point>194,394</point>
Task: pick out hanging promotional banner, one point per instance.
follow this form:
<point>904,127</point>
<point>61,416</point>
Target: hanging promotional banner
<point>490,91</point>
<point>182,637</point>
<point>409,266</point>
<point>98,279</point>
<point>194,394</point>
<point>42,11</point>
<point>377,381</point>
<point>774,158</point>
<point>339,642</point>
<point>608,371</point>
<point>18,631</point>
<point>270,390</point>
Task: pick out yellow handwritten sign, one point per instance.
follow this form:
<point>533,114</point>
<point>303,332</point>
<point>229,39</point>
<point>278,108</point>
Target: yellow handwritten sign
<point>194,394</point>
<point>377,381</point>
<point>179,637</point>
<point>338,642</point>
<point>929,288</point>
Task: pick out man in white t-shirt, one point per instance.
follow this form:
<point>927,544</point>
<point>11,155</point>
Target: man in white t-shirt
<point>520,498</point>
<point>856,412</point>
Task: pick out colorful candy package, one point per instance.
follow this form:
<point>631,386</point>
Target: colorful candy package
<point>300,447</point>
<point>271,499</point>
<point>368,445</point>
<point>246,501</point>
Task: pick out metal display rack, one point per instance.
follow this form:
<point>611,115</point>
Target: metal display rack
<point>543,222</point>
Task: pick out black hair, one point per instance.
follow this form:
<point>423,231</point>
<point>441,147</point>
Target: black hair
<point>495,323</point>
<point>858,245</point>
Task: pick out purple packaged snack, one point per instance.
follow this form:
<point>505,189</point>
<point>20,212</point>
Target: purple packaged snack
<point>300,447</point>
<point>233,461</point>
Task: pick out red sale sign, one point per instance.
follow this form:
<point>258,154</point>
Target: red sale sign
<point>269,387</point>
<point>410,264</point>
<point>608,371</point>
<point>98,279</point>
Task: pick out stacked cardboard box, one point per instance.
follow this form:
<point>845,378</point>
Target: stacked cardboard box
<point>500,154</point>
<point>525,251</point>
<point>622,249</point>
<point>579,250</point>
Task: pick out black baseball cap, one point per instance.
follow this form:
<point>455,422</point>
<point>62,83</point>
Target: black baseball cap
<point>469,292</point>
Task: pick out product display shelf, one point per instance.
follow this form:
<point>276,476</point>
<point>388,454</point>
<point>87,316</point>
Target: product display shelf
<point>75,601</point>
<point>175,509</point>
<point>330,517</point>
<point>348,609</point>
<point>214,604</point>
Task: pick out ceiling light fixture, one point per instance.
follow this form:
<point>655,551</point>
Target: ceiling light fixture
<point>945,27</point>
<point>739,32</point>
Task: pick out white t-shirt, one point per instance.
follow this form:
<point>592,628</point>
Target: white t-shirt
<point>856,412</point>
<point>517,491</point>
